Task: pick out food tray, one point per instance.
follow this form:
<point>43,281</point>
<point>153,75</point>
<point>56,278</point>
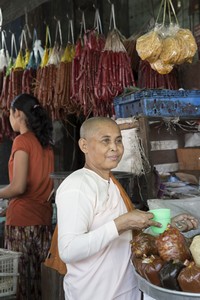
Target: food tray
<point>159,103</point>
<point>159,293</point>
<point>8,272</point>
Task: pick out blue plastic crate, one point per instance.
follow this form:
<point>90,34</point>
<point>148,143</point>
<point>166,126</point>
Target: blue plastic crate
<point>159,103</point>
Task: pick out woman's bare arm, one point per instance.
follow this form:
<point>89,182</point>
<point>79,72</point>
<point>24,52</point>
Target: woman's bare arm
<point>20,172</point>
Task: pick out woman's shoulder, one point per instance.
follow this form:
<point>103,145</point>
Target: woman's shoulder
<point>85,175</point>
<point>83,179</point>
<point>25,136</point>
<point>26,140</point>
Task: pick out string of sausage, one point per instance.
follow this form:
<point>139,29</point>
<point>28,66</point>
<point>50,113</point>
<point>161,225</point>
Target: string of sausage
<point>114,72</point>
<point>149,78</point>
<point>84,69</point>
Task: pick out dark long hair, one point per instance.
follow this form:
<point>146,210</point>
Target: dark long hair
<point>38,120</point>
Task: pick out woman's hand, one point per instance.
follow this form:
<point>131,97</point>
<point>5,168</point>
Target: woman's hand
<point>3,212</point>
<point>135,220</point>
<point>185,222</point>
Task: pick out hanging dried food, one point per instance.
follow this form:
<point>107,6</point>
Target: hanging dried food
<point>47,75</point>
<point>19,63</point>
<point>84,68</point>
<point>15,81</point>
<point>170,51</point>
<point>149,46</point>
<point>5,79</point>
<point>130,45</point>
<point>6,66</point>
<point>36,54</point>
<point>172,245</point>
<point>28,79</point>
<point>62,101</point>
<point>189,278</point>
<point>28,75</point>
<point>87,71</point>
<point>166,45</point>
<point>4,92</point>
<point>149,78</point>
<point>14,85</point>
<point>188,45</point>
<point>47,49</point>
<point>169,273</point>
<point>76,67</point>
<point>2,74</point>
<point>161,67</point>
<point>114,69</point>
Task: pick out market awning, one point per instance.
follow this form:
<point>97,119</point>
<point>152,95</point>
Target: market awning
<point>13,9</point>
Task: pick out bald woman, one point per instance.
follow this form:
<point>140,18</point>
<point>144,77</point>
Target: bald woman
<point>94,226</point>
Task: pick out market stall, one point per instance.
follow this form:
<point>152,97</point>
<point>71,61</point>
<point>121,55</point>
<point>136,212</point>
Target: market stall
<point>98,74</point>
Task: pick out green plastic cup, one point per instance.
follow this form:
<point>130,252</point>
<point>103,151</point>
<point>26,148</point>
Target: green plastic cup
<point>163,216</point>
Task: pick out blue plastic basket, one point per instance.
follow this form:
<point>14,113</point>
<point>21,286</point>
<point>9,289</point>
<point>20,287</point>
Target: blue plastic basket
<point>159,103</point>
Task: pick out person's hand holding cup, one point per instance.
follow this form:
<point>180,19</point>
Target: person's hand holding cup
<point>163,216</point>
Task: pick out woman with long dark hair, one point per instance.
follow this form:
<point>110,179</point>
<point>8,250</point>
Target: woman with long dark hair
<point>29,212</point>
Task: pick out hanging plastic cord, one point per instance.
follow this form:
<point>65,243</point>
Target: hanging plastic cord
<point>164,13</point>
<point>55,56</point>
<point>167,28</point>
<point>26,31</point>
<point>4,55</point>
<point>159,12</point>
<point>83,25</point>
<point>36,53</point>
<point>58,32</point>
<point>70,32</point>
<point>13,46</point>
<point>166,5</point>
<point>12,60</point>
<point>69,52</point>
<point>1,19</point>
<point>113,28</point>
<point>32,64</point>
<point>114,33</point>
<point>26,27</point>
<point>112,18</point>
<point>173,11</point>
<point>38,50</point>
<point>97,22</point>
<point>20,61</point>
<point>47,49</point>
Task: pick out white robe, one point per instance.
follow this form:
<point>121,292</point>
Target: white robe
<point>97,257</point>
